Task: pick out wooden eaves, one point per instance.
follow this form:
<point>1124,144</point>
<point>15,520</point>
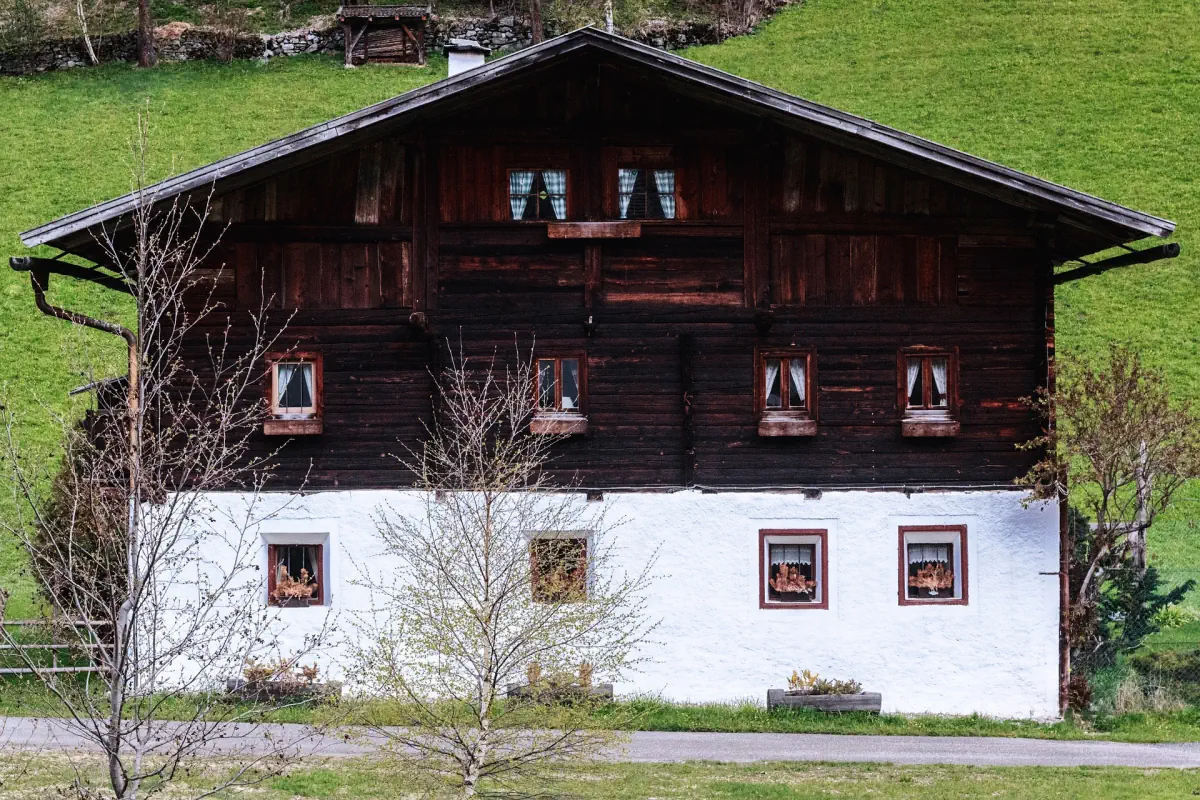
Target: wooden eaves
<point>1105,220</point>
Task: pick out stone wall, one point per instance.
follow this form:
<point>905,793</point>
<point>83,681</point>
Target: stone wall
<point>182,42</point>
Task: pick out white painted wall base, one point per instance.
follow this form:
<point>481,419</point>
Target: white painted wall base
<point>997,655</point>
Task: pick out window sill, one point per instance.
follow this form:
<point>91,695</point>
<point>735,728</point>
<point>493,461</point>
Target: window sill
<point>293,427</point>
<point>782,425</point>
<point>929,428</point>
<point>558,425</point>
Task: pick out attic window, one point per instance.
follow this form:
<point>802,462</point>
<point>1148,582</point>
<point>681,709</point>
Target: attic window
<point>295,394</point>
<point>560,386</point>
<point>784,392</point>
<point>933,565</point>
<point>646,193</point>
<point>537,194</point>
<point>927,382</point>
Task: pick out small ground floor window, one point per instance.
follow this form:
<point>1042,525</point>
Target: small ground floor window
<point>933,565</point>
<point>295,577</point>
<point>794,569</point>
<point>558,568</point>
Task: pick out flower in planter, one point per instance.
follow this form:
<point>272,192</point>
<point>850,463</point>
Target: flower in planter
<point>802,683</point>
<point>289,588</point>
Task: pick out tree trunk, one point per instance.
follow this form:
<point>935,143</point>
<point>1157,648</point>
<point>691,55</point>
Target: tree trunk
<point>535,21</point>
<point>1137,537</point>
<point>146,54</point>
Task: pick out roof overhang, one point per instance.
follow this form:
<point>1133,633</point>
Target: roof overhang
<point>1110,222</point>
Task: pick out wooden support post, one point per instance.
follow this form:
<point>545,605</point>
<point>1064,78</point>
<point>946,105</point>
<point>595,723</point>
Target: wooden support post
<point>688,382</point>
<point>593,260</point>
<point>756,233</point>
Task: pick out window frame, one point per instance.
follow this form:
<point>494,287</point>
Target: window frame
<point>280,424</point>
<point>785,421</point>
<point>647,166</point>
<point>272,549</point>
<point>819,536</point>
<point>557,420</point>
<point>508,195</point>
<point>962,573</point>
<point>534,574</point>
<point>927,420</point>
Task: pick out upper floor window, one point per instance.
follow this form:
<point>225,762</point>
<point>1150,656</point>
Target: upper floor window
<point>784,392</point>
<point>558,568</point>
<point>561,384</point>
<point>646,193</point>
<point>295,394</point>
<point>538,194</point>
<point>928,389</point>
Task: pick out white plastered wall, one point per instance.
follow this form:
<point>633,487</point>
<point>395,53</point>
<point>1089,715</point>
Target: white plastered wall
<point>997,655</point>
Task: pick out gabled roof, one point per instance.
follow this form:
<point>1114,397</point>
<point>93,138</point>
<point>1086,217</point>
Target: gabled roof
<point>1111,221</point>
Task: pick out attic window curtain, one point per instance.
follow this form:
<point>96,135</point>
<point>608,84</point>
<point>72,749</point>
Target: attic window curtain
<point>520,184</point>
<point>928,553</point>
<point>626,178</point>
<point>556,188</point>
<point>664,182</point>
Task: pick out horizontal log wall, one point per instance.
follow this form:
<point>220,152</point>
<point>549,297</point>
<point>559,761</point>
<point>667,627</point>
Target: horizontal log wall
<point>780,241</point>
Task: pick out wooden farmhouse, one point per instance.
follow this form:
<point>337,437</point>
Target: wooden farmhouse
<point>788,344</point>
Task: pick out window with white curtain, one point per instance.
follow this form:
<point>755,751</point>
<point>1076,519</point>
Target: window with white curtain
<point>785,380</point>
<point>295,383</point>
<point>646,193</point>
<point>933,564</point>
<point>793,564</point>
<point>537,194</point>
<point>928,383</point>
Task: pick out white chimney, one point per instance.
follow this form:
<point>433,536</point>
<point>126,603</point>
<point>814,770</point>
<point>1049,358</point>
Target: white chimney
<point>464,54</point>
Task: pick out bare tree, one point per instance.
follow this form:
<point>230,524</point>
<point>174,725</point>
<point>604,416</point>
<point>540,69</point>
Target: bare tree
<point>1122,450</point>
<point>502,581</point>
<point>162,586</point>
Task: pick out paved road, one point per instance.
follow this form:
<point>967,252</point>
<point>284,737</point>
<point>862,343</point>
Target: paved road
<point>36,734</point>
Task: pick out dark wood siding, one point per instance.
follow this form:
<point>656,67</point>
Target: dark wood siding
<point>780,240</point>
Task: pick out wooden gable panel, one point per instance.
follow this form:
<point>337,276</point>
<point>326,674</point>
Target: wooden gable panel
<point>863,270</point>
<point>681,272</point>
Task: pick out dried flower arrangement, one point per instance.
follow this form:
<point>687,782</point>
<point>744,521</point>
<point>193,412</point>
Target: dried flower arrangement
<point>789,579</point>
<point>585,675</point>
<point>809,683</point>
<point>933,577</point>
<point>282,672</point>
<point>289,588</point>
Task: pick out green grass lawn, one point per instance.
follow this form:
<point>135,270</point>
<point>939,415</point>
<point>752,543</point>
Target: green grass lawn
<point>38,776</point>
<point>1102,95</point>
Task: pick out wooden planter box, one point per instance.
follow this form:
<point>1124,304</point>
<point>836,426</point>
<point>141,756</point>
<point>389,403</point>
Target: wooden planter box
<point>262,691</point>
<point>863,701</point>
<point>560,694</point>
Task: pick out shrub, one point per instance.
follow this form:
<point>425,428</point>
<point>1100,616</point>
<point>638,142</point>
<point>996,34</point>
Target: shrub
<point>1177,669</point>
<point>1174,616</point>
<point>23,23</point>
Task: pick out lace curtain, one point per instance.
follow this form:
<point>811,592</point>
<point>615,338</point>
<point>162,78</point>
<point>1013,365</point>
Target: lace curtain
<point>938,367</point>
<point>796,370</point>
<point>791,554</point>
<point>296,382</point>
<point>914,374</point>
<point>520,184</point>
<point>664,181</point>
<point>928,553</point>
<point>570,391</point>
<point>770,378</point>
<point>556,187</point>
<point>626,178</point>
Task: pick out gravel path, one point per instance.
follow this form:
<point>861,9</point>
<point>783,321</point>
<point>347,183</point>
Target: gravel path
<point>24,733</point>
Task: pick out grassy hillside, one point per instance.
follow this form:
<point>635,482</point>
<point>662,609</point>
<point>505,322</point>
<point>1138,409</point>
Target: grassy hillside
<point>1098,94</point>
